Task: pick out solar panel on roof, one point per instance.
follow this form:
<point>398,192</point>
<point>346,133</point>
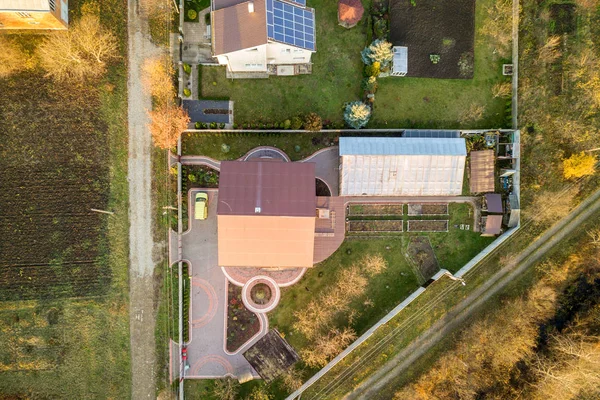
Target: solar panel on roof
<point>291,24</point>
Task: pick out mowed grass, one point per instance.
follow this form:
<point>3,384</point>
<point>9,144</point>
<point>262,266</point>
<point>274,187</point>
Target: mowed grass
<point>453,250</point>
<point>384,291</point>
<point>335,80</point>
<point>337,74</point>
<point>76,347</point>
<point>209,144</point>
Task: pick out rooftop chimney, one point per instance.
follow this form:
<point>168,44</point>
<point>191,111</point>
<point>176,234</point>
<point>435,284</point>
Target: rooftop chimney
<point>251,7</point>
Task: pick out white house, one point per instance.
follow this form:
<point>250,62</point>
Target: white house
<point>248,36</point>
<point>405,166</point>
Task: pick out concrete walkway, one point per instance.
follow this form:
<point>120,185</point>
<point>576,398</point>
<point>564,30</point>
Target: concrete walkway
<point>207,355</point>
<point>327,167</point>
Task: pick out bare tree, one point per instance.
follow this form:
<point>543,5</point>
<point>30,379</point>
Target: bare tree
<point>550,51</point>
<point>502,89</point>
<point>11,57</point>
<point>79,53</point>
<point>226,389</point>
<point>96,42</point>
<point>328,346</point>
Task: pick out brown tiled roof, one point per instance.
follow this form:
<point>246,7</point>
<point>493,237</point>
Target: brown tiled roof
<point>265,241</point>
<point>235,28</point>
<point>350,11</point>
<point>493,225</point>
<point>482,171</point>
<point>267,188</point>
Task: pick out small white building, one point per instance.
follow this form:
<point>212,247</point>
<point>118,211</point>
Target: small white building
<point>406,166</point>
<point>248,36</point>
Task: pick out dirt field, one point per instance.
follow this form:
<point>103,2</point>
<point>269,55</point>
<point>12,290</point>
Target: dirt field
<point>63,268</point>
<point>375,226</point>
<point>53,170</point>
<point>427,226</point>
<point>428,27</point>
<point>422,254</point>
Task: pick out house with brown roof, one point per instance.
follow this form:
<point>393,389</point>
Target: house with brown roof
<point>34,14</point>
<point>266,214</point>
<point>263,36</point>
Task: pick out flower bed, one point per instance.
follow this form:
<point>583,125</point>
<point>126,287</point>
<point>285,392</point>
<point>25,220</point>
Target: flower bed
<point>375,209</point>
<point>242,324</point>
<point>375,226</point>
<point>216,111</point>
<point>428,209</point>
<point>427,226</point>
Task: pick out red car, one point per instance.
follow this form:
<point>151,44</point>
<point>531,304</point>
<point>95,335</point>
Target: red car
<point>184,354</point>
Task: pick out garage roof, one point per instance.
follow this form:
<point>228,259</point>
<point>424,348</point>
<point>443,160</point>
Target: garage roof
<point>268,188</point>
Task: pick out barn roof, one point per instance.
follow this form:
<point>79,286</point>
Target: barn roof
<point>271,355</point>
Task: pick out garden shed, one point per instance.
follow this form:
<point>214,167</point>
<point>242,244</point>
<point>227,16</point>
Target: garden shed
<point>492,225</point>
<point>271,356</point>
<point>266,214</point>
<point>493,202</point>
<point>406,166</point>
<point>400,61</point>
<point>482,171</point>
<point>350,12</point>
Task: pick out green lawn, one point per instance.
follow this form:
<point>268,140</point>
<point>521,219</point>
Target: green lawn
<point>209,144</point>
<point>337,72</point>
<point>385,290</point>
<point>453,250</point>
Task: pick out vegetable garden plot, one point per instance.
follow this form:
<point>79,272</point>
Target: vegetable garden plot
<point>375,226</point>
<point>427,226</point>
<point>53,170</point>
<point>375,209</point>
<point>428,209</point>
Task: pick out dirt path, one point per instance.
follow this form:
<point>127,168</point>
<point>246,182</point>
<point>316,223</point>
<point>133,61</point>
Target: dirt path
<point>456,318</point>
<point>141,269</point>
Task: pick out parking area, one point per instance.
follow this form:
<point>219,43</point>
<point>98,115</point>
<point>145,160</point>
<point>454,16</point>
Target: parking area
<point>207,357</point>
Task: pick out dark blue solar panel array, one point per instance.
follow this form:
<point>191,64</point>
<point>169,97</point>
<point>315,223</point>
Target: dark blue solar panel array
<point>291,24</point>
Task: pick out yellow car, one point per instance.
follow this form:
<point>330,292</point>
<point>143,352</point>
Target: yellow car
<point>201,206</point>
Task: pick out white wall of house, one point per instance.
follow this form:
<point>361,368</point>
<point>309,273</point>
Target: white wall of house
<point>279,53</point>
<point>246,60</point>
<point>257,58</point>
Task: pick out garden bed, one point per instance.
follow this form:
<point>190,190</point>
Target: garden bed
<point>432,28</point>
<point>375,209</point>
<point>242,324</point>
<point>427,226</point>
<point>428,209</point>
<point>376,226</point>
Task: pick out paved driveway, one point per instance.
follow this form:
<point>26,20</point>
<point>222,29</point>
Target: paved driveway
<point>206,354</point>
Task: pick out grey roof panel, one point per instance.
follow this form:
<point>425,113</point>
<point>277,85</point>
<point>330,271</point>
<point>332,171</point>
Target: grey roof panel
<point>402,146</point>
<point>431,133</point>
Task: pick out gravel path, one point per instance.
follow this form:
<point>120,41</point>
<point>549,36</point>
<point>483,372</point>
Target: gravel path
<point>456,318</point>
<point>142,313</point>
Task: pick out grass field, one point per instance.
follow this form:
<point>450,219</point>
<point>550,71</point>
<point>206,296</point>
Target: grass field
<point>337,72</point>
<point>65,148</point>
<point>209,144</point>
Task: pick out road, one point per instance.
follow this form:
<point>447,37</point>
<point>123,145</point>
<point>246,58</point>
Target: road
<point>141,244</point>
<point>456,318</point>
